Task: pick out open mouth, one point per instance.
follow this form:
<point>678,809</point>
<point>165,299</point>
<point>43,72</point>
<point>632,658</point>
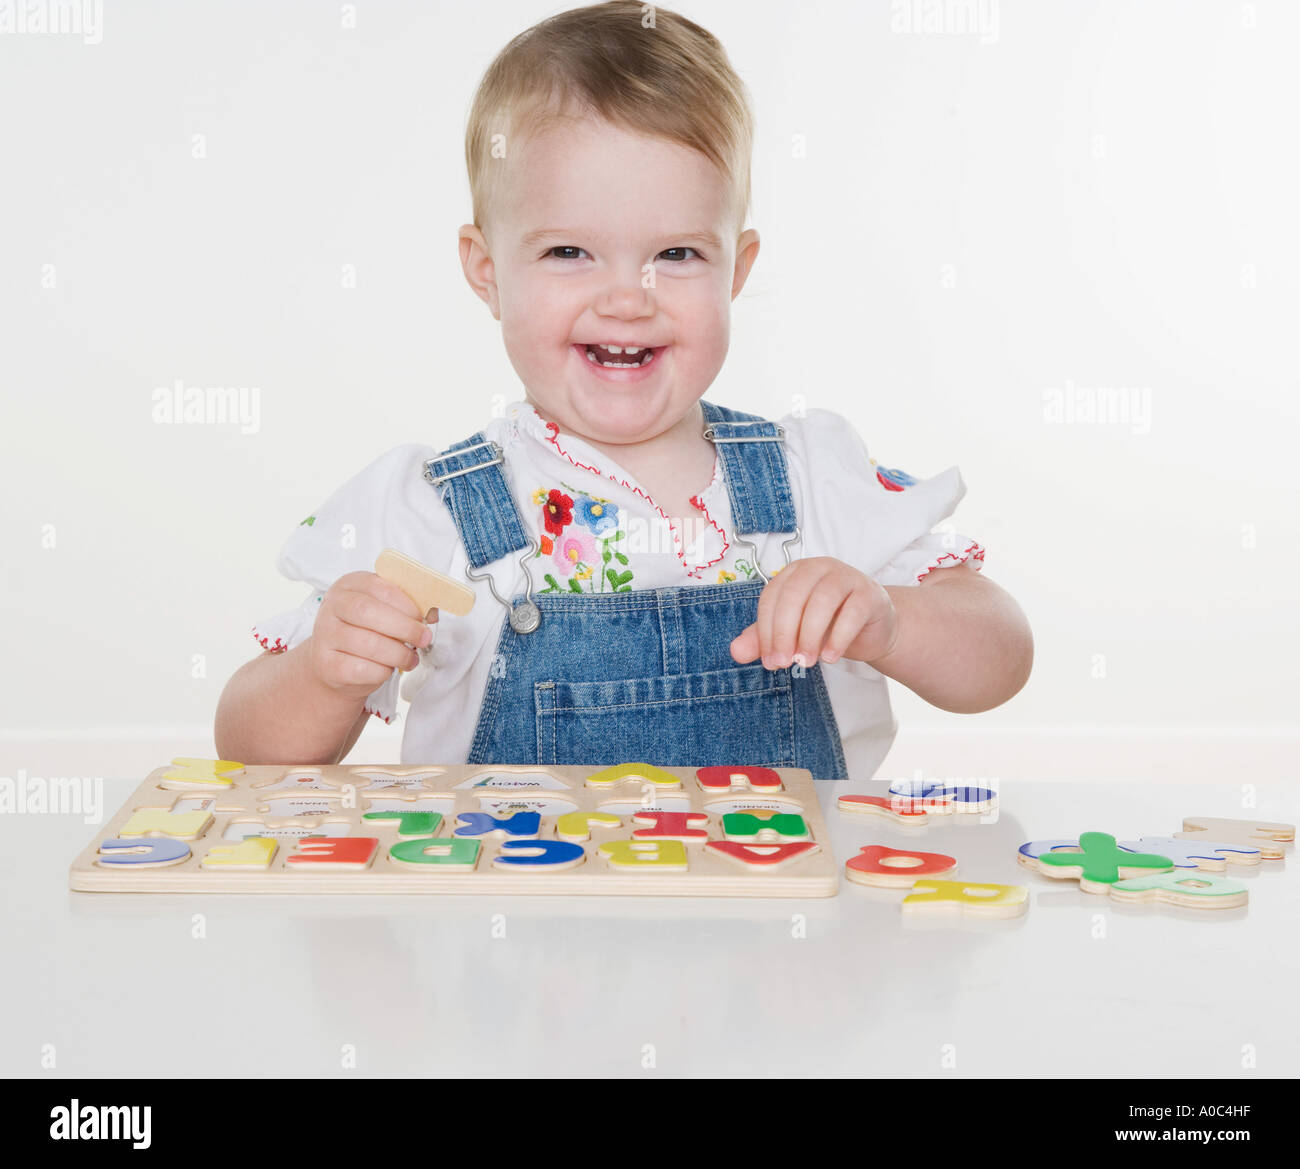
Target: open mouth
<point>620,356</point>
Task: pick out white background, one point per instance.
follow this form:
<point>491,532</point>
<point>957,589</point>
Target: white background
<point>1086,194</point>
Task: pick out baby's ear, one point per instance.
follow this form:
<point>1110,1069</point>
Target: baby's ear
<point>746,254</point>
<point>476,263</point>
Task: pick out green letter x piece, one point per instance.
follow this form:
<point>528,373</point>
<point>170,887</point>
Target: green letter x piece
<point>1099,860</point>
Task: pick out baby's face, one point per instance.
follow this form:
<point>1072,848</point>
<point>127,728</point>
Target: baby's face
<point>602,237</point>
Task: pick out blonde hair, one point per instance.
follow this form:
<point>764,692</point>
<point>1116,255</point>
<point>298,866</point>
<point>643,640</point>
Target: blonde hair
<point>641,68</point>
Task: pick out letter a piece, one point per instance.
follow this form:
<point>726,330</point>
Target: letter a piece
<point>683,826</point>
<point>895,868</point>
<point>665,856</point>
<point>154,853</point>
<point>1192,892</point>
<point>728,779</point>
<point>1268,838</point>
<point>187,774</point>
<point>976,899</point>
<point>766,857</point>
<point>326,854</point>
<point>1099,863</point>
<point>253,852</point>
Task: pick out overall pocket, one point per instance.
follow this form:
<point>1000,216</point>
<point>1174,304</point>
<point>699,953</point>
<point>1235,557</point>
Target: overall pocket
<point>742,715</point>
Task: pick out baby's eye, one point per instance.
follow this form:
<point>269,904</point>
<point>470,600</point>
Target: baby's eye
<point>564,248</point>
<point>678,257</point>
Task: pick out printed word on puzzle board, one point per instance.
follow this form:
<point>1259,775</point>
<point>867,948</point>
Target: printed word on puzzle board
<point>632,828</point>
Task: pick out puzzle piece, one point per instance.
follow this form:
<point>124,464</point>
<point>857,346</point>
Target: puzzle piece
<point>778,827</point>
<point>664,855</point>
<point>1267,837</point>
<point>541,855</point>
<point>683,826</point>
<point>427,587</point>
<point>481,824</point>
<point>940,797</point>
<point>1192,892</point>
<point>896,809</point>
<point>409,824</point>
<point>1030,851</point>
<point>895,868</point>
<point>161,822</point>
<point>188,773</point>
<point>335,852</point>
<point>455,855</point>
<point>254,853</point>
<point>727,779</point>
<point>633,773</point>
<point>762,856</point>
<point>1196,854</point>
<point>576,826</point>
<point>153,853</point>
<point>1099,863</point>
<point>978,899</point>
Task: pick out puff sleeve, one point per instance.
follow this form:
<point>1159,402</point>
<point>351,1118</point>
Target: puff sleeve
<point>877,518</point>
<point>387,504</point>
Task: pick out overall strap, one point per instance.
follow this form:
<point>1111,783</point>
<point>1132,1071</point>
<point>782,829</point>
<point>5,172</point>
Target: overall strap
<point>470,481</point>
<point>752,455</point>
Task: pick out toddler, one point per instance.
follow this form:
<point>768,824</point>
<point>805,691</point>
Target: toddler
<point>660,578</point>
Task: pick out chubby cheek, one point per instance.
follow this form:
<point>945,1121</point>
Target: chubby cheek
<point>535,327</point>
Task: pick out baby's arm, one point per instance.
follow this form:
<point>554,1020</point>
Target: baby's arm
<point>307,705</point>
<point>963,643</point>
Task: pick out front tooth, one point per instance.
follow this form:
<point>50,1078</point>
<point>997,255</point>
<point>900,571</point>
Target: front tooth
<point>613,348</point>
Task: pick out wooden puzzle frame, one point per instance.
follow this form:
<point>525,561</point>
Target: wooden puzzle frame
<point>296,802</point>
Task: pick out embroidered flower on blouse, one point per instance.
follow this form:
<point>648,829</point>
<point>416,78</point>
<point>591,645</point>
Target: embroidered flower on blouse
<point>557,512</point>
<point>724,576</point>
<point>597,514</point>
<point>586,556</point>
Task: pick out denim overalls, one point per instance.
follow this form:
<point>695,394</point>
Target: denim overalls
<point>644,675</point>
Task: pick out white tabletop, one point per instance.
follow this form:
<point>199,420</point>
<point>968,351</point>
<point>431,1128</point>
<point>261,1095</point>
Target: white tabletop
<point>120,985</point>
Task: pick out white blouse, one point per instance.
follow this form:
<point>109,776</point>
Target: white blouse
<point>849,506</point>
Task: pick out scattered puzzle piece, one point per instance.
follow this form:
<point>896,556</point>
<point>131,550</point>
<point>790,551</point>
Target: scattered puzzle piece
<point>1268,838</point>
<point>576,826</point>
<point>895,868</point>
<point>334,852</point>
<point>1196,854</point>
<point>254,853</point>
<point>896,809</point>
<point>727,779</point>
<point>1191,892</point>
<point>154,853</point>
<point>1030,851</point>
<point>940,797</point>
<point>541,855</point>
<point>1099,863</point>
<point>968,897</point>
<point>427,587</point>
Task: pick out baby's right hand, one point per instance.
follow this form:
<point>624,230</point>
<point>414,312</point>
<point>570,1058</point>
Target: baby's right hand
<point>361,631</point>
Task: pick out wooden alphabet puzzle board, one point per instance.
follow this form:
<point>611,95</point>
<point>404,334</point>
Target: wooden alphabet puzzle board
<point>202,825</point>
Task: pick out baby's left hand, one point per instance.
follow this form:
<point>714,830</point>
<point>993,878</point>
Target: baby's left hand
<point>819,607</point>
